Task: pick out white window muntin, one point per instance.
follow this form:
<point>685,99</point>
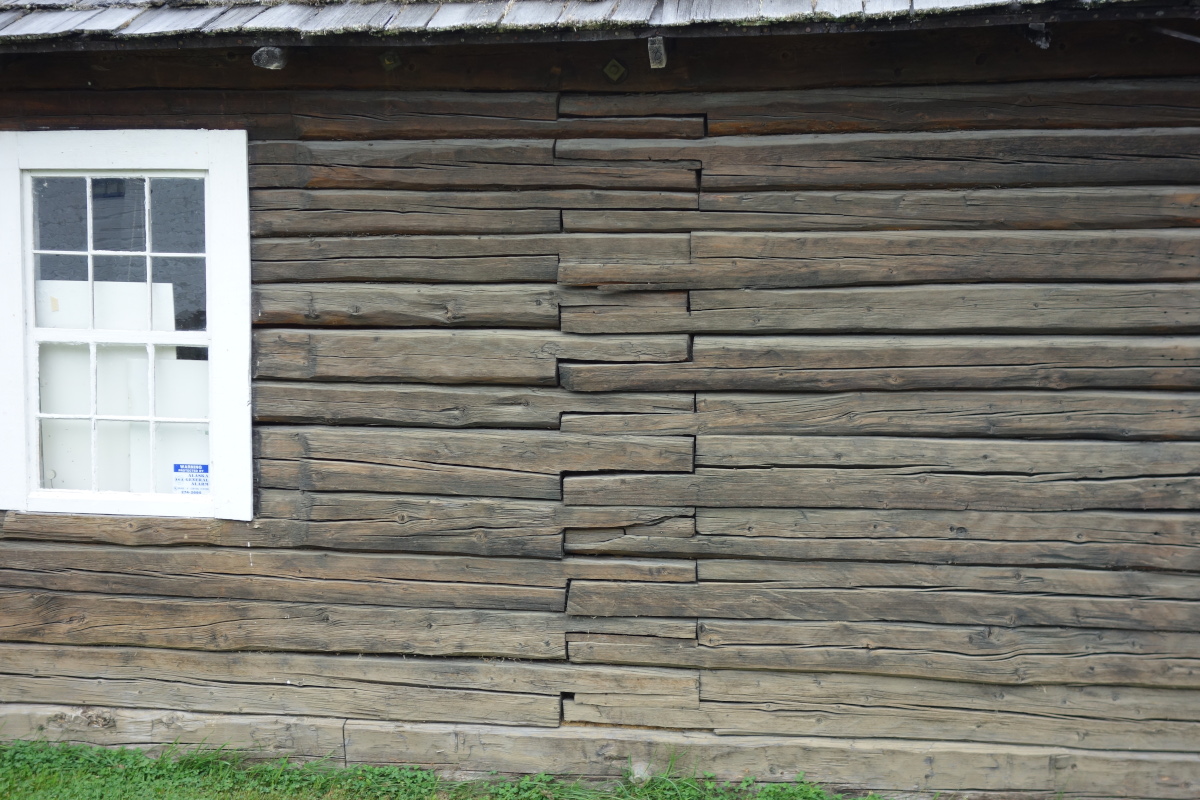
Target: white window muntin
<point>220,158</point>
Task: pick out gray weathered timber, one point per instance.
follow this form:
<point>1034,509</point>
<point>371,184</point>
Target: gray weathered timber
<point>979,654</point>
<point>887,487</point>
<point>1029,580</point>
<point>883,763</point>
<point>1004,308</point>
<point>1044,104</point>
<point>70,618</point>
<point>445,406</point>
<point>954,159</point>
<point>410,306</point>
<point>731,260</point>
<point>260,738</point>
<point>1049,415</point>
<point>307,669</point>
<point>1079,459</point>
<point>311,219</point>
<point>1029,209</point>
<point>465,528</point>
<point>852,363</point>
<point>861,715</point>
<point>322,475</point>
<point>512,357</point>
<point>950,607</point>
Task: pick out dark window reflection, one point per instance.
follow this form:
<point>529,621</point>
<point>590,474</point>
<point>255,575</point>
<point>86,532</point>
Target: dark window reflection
<point>60,211</point>
<point>60,268</point>
<point>119,213</point>
<point>177,215</point>
<point>191,354</point>
<point>187,278</point>
<point>123,269</point>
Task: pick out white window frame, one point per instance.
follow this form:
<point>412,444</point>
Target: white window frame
<point>222,158</point>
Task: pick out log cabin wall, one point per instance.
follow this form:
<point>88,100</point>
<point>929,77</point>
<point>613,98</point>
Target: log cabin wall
<point>849,431</point>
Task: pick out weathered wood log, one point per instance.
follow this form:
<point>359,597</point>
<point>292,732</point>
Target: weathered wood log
<point>409,306</point>
<point>856,716</point>
<point>949,607</point>
<point>852,363</point>
<point>1051,415</point>
<point>1003,308</point>
<point>967,653</point>
<point>632,249</point>
<point>887,488</point>
<point>1080,459</point>
<point>1044,104</point>
<point>721,260</point>
<point>955,159</point>
<point>874,763</point>
<point>306,669</point>
<point>341,221</point>
<point>493,463</point>
<point>74,619</point>
<point>412,581</point>
<point>451,406</point>
<point>258,738</point>
<point>514,357</point>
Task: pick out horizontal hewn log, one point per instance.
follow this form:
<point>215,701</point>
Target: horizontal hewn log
<point>306,669</point>
<point>720,260</point>
<point>855,715</point>
<point>1021,580</point>
<point>954,159</point>
<point>370,122</point>
<point>514,357</point>
<point>258,738</point>
<point>1050,415</point>
<point>950,607</point>
<point>1044,104</point>
<point>311,221</point>
<point>448,406</point>
<point>873,763</point>
<point>1078,459</point>
<point>365,700</point>
<point>412,581</point>
<point>1002,308</point>
<point>409,306</point>
<point>486,462</point>
<point>70,618</point>
<point>852,363</point>
<point>887,487</point>
<point>968,653</point>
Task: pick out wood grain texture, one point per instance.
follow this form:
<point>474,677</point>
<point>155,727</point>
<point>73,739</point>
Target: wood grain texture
<point>1000,308</point>
<point>732,260</point>
<point>917,160</point>
<point>1044,104</point>
<point>735,600</point>
<point>512,357</point>
<point>1046,415</point>
<point>257,737</point>
<point>970,653</point>
<point>853,363</point>
<point>882,763</point>
<point>71,618</point>
<point>409,306</point>
<point>445,406</point>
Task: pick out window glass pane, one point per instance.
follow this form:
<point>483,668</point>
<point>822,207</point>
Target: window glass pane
<point>60,214</point>
<point>122,381</point>
<point>181,458</point>
<point>64,379</point>
<point>66,454</point>
<point>183,309</point>
<point>181,382</point>
<point>61,292</point>
<point>118,213</point>
<point>177,215</point>
<point>121,294</point>
<point>123,456</point>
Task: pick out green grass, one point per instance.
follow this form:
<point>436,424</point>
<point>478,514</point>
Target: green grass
<point>42,771</point>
